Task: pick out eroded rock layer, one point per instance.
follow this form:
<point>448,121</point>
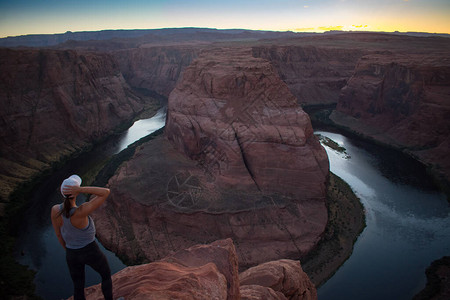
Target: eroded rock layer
<point>232,113</point>
<point>155,68</point>
<point>404,101</point>
<point>53,103</point>
<point>209,272</point>
<point>315,75</point>
<point>239,160</point>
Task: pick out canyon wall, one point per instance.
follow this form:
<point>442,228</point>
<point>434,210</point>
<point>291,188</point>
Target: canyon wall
<point>155,68</point>
<point>239,159</point>
<point>53,104</point>
<point>314,74</point>
<point>401,100</point>
<point>209,272</point>
<point>389,87</point>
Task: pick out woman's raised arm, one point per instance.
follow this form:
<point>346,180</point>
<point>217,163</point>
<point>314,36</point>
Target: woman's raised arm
<point>100,194</point>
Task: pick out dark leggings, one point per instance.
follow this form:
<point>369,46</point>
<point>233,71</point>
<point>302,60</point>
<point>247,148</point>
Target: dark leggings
<point>92,256</point>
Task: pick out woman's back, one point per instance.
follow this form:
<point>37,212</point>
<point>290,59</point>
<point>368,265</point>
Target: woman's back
<point>74,236</point>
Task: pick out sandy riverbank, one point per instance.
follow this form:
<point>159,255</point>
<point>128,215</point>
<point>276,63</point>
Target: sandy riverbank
<point>346,222</point>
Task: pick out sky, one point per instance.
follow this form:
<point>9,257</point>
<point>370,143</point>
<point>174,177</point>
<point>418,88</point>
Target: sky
<point>21,17</point>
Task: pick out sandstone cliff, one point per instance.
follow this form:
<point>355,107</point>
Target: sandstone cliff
<point>314,74</point>
<point>402,100</point>
<point>155,68</point>
<point>240,161</point>
<point>54,103</point>
<point>209,272</point>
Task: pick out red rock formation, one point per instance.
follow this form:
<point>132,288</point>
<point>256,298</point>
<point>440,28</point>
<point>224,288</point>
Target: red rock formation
<point>147,217</point>
<point>159,280</point>
<point>246,166</point>
<point>233,113</point>
<point>207,272</point>
<point>314,74</point>
<point>257,292</point>
<point>53,103</point>
<point>222,253</point>
<point>401,100</point>
<point>283,276</point>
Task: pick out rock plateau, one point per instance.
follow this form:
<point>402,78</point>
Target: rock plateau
<point>232,113</point>
<point>239,159</point>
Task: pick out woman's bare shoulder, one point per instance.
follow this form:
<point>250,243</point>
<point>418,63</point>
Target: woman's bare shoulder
<point>56,209</point>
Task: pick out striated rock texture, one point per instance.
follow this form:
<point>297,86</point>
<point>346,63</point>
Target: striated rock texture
<point>402,100</point>
<point>222,253</point>
<point>208,272</point>
<point>155,68</point>
<point>232,113</point>
<point>257,292</point>
<point>281,276</point>
<point>239,160</point>
<point>314,74</point>
<point>53,103</point>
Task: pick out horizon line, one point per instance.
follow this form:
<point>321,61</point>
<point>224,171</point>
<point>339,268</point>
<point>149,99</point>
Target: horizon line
<point>224,29</point>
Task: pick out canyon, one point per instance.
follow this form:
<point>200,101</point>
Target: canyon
<point>387,87</point>
<point>54,104</point>
<point>401,100</point>
<point>238,158</point>
<point>327,69</point>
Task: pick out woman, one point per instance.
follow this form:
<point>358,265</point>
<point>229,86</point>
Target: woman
<point>75,230</point>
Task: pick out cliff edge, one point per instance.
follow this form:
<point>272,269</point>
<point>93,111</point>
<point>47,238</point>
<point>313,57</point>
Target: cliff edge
<point>209,272</point>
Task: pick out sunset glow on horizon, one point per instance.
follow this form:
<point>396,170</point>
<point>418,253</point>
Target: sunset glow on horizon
<point>21,17</point>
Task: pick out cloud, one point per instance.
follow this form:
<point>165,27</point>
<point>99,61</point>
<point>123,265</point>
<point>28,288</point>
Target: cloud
<point>306,6</point>
<point>329,28</point>
<point>359,26</point>
<point>305,29</point>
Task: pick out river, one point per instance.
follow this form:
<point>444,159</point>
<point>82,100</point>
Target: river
<point>37,245</point>
<point>407,223</point>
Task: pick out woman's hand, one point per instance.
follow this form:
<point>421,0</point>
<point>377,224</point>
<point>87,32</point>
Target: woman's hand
<point>72,190</point>
<point>99,196</point>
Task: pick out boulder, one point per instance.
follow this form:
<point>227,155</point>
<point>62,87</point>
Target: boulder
<point>222,253</point>
<point>159,281</point>
<point>207,271</point>
<point>285,276</point>
<point>257,292</point>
